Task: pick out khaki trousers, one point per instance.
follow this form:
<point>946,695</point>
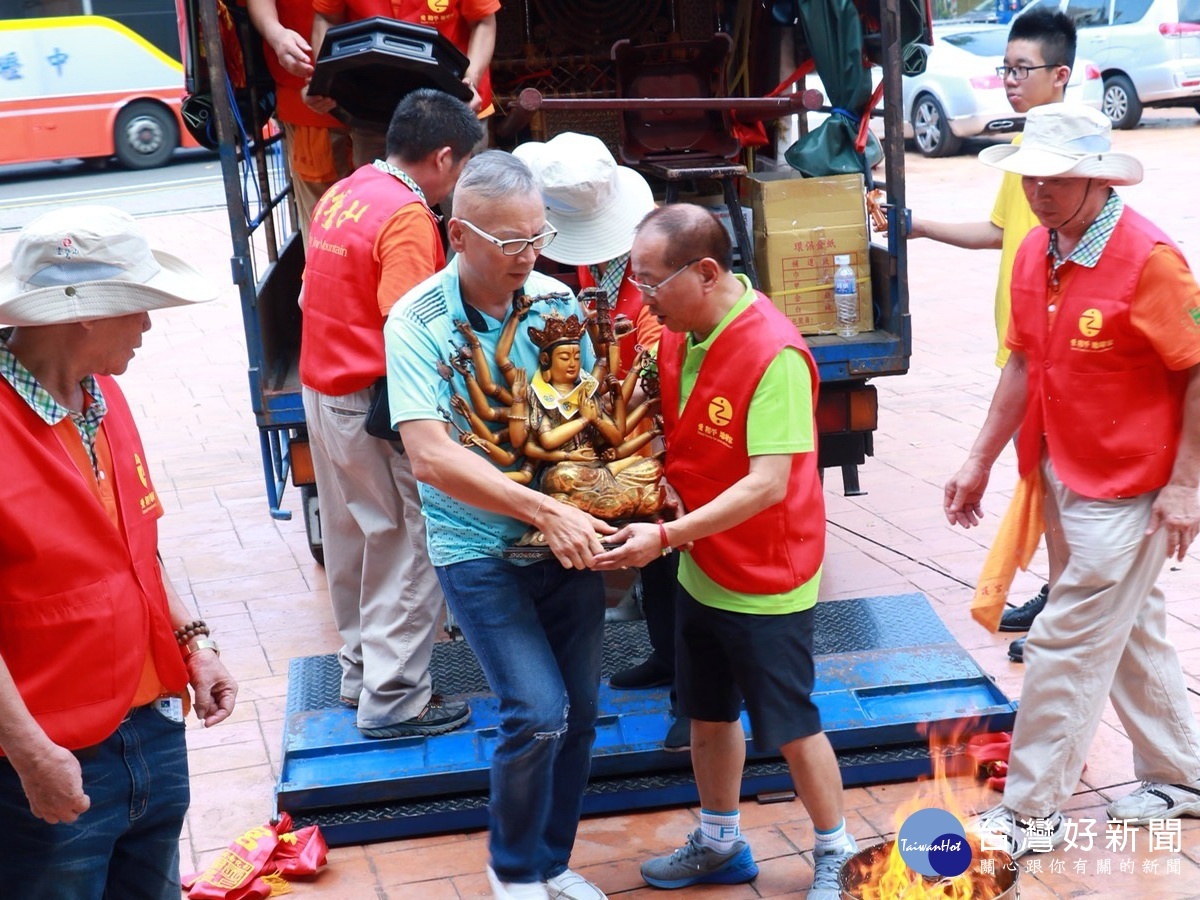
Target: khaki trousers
<point>385,594</point>
<point>1102,634</point>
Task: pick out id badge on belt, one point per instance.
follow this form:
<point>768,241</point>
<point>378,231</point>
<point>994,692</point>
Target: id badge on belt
<point>170,707</point>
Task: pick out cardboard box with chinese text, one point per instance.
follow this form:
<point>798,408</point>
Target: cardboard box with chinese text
<point>800,225</point>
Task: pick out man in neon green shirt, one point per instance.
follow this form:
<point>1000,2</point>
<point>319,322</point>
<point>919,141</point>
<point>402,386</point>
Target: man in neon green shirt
<point>1037,65</point>
<point>738,392</point>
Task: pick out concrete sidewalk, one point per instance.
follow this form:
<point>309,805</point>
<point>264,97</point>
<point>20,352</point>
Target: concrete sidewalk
<point>253,580</point>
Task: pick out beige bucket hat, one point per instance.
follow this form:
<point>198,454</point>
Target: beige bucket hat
<point>91,262</point>
<point>1065,140</point>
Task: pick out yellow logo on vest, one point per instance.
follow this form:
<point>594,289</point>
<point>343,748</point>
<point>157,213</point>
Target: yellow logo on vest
<point>1091,322</point>
<point>720,411</point>
<point>149,502</point>
<point>438,6</point>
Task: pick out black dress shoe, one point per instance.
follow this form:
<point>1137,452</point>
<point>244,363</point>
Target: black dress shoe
<point>1021,618</point>
<point>679,735</point>
<point>1016,650</point>
<point>648,674</point>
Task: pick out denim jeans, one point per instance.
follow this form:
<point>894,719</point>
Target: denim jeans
<point>126,846</point>
<point>537,631</point>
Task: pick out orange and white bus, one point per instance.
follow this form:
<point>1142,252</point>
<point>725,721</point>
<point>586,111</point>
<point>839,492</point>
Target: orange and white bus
<point>90,79</point>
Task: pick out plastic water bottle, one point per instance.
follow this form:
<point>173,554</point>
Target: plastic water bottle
<point>845,296</point>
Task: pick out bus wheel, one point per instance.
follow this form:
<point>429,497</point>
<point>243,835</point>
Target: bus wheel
<point>145,135</point>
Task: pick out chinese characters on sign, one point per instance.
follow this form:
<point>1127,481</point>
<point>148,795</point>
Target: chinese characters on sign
<point>1120,838</point>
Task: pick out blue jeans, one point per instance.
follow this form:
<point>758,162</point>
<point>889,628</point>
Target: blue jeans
<point>127,844</point>
<point>537,631</point>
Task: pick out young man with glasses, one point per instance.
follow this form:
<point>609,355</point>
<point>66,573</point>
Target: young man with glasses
<point>1037,65</point>
<point>373,237</point>
<point>738,391</point>
<point>536,628</point>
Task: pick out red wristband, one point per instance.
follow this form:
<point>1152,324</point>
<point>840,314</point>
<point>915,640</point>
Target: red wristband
<point>666,542</point>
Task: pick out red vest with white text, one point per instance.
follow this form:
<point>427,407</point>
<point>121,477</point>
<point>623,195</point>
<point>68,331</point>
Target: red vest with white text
<point>1110,409</point>
<point>783,546</point>
<point>341,341</point>
<point>80,600</point>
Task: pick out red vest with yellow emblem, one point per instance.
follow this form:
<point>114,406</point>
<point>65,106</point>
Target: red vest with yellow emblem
<point>81,601</point>
<point>341,341</point>
<point>1110,409</point>
<point>783,546</point>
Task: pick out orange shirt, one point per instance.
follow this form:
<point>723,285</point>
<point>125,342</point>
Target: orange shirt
<point>1165,308</point>
<point>405,247</point>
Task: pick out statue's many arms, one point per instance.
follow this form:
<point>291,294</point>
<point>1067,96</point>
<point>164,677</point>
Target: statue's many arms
<point>573,431</point>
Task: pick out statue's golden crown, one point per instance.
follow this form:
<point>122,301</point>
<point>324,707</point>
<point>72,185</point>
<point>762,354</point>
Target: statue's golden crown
<point>557,331</point>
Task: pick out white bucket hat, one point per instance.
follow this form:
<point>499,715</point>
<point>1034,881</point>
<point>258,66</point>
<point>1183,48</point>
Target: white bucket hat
<point>91,262</point>
<point>1065,140</point>
<point>594,203</point>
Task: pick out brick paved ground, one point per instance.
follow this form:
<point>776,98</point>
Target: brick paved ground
<point>252,578</point>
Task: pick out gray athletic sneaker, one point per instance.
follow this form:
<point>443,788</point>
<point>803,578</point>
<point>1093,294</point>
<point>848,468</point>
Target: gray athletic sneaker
<point>827,867</point>
<point>693,863</point>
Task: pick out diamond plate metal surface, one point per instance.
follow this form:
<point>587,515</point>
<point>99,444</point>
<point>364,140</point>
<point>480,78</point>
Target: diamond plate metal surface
<point>886,668</point>
<point>463,812</point>
<point>844,627</point>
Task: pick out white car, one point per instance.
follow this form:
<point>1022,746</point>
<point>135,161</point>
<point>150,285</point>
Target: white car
<point>959,95</point>
<point>1147,50</point>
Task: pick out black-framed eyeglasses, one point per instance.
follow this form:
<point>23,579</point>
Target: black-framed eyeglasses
<point>515,246</point>
<point>650,290</point>
<point>1020,73</point>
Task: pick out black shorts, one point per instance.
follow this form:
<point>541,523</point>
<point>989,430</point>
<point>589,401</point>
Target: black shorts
<point>724,657</point>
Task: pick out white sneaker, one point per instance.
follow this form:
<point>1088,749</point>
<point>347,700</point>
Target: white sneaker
<point>1157,801</point>
<point>827,869</point>
<point>514,890</point>
<point>569,885</point>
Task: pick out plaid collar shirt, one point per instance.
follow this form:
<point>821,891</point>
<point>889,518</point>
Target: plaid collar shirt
<point>1087,252</point>
<point>50,410</point>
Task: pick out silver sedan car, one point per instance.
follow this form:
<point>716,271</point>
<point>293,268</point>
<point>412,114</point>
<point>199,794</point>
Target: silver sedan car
<point>959,95</point>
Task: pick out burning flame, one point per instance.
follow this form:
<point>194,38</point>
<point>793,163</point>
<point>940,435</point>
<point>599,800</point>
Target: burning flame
<point>886,877</point>
<point>883,874</point>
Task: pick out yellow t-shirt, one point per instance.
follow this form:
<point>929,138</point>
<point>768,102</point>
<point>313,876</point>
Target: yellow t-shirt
<point>1013,215</point>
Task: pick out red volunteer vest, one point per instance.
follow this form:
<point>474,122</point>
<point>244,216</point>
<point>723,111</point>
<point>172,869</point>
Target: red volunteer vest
<point>445,16</point>
<point>629,303</point>
<point>81,601</point>
<point>289,106</point>
<point>341,339</point>
<point>1110,410</point>
<point>781,547</point>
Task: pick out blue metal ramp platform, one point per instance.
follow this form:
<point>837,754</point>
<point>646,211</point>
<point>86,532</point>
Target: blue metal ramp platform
<point>886,669</point>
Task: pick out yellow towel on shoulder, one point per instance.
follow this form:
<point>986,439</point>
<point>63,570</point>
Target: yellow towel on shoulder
<point>1014,546</point>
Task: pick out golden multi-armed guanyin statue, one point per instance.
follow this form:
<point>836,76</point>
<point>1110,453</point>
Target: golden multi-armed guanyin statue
<point>574,428</point>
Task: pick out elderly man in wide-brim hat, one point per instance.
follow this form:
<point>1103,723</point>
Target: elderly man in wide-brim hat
<point>1103,390</point>
<point>96,649</point>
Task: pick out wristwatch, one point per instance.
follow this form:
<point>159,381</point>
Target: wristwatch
<point>195,645</point>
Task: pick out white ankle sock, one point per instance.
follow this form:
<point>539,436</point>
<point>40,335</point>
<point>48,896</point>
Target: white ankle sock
<point>720,830</point>
<point>831,840</point>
